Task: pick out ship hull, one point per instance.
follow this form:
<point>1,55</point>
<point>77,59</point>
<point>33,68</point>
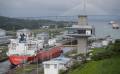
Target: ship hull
<point>16,60</point>
<point>41,55</point>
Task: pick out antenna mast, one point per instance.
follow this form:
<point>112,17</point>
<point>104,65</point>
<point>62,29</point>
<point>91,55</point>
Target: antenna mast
<point>84,7</point>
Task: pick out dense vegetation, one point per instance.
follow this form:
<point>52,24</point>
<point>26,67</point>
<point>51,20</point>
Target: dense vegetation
<point>3,55</point>
<point>109,51</point>
<point>106,66</point>
<point>105,61</point>
<point>27,69</point>
<point>14,24</point>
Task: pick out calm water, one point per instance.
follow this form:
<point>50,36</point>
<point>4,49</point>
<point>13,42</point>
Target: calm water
<point>102,29</point>
<point>4,66</point>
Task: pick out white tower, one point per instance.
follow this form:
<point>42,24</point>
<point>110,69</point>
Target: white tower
<point>81,32</point>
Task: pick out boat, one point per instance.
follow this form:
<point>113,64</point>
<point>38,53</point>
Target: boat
<point>111,22</point>
<point>28,49</point>
<point>115,26</point>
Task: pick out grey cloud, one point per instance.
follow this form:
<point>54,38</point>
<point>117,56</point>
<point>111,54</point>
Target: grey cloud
<point>23,8</point>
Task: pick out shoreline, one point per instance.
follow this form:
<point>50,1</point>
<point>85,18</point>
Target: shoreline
<point>3,60</point>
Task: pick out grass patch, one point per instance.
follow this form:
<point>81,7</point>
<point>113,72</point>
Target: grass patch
<point>98,50</point>
<point>26,69</point>
<point>3,55</point>
<point>106,66</point>
<point>105,61</point>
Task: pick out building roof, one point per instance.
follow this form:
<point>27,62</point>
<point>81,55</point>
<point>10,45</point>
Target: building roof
<point>82,15</point>
<point>58,60</point>
<point>62,59</point>
<point>24,30</point>
<point>81,27</point>
<point>51,62</point>
<point>43,34</point>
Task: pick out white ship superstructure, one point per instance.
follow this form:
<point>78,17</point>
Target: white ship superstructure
<point>24,44</point>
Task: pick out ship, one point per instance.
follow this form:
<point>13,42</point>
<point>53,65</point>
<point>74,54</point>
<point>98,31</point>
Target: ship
<point>26,48</point>
<point>114,25</point>
<point>112,22</point>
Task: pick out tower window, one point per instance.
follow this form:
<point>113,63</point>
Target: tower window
<point>81,31</point>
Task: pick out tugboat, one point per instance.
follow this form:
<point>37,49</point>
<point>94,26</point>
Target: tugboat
<point>26,48</point>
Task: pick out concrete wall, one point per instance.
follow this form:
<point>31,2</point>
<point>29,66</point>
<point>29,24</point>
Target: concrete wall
<point>82,20</point>
<point>82,45</point>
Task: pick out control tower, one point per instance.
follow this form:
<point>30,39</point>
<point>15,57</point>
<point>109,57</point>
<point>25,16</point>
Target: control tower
<point>81,32</point>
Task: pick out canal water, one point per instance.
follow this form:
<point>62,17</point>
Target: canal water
<point>4,67</point>
<point>103,29</point>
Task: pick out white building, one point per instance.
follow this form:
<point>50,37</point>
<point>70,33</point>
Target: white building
<point>96,45</point>
<point>52,42</point>
<point>51,67</point>
<point>45,27</point>
<point>57,64</point>
<point>65,62</point>
<point>105,42</point>
<point>43,36</point>
<point>3,37</point>
<point>2,33</point>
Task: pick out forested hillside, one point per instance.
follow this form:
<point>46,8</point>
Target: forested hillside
<point>15,24</point>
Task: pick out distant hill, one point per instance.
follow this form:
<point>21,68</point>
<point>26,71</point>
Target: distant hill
<point>15,24</point>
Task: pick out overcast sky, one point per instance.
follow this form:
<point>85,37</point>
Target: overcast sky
<point>36,8</point>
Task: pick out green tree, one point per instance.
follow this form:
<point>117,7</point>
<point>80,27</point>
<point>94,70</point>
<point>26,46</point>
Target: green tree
<point>116,46</point>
